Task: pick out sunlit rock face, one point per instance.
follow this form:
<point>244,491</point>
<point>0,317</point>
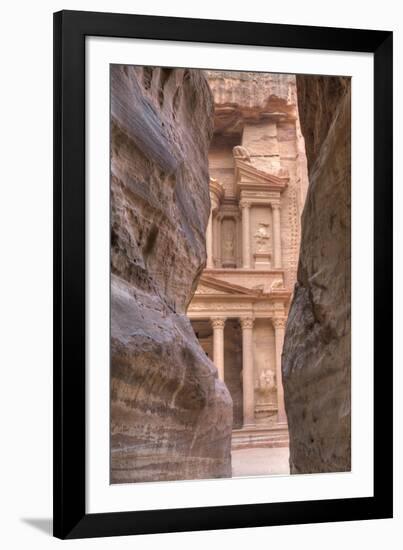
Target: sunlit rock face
<point>252,97</point>
<point>171,417</point>
<point>316,353</point>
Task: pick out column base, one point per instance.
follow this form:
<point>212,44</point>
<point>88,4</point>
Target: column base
<point>262,260</point>
<point>249,424</point>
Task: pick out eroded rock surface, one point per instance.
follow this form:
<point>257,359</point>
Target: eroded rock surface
<point>171,417</point>
<point>316,353</point>
<point>252,97</point>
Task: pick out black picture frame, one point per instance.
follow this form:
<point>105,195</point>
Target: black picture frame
<point>70,518</point>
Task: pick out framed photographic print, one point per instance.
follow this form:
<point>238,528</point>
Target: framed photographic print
<point>223,274</point>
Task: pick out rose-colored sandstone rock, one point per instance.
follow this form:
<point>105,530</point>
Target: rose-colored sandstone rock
<point>245,96</point>
<point>171,417</point>
<point>316,353</point>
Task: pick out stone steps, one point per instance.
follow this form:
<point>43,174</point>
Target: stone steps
<point>260,436</point>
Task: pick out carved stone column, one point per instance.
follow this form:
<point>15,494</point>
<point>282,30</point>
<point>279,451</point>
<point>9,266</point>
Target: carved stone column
<point>245,205</point>
<point>209,242</point>
<point>218,324</point>
<point>248,372</point>
<point>217,240</point>
<point>276,235</point>
<point>216,196</point>
<point>279,328</point>
<point>238,220</point>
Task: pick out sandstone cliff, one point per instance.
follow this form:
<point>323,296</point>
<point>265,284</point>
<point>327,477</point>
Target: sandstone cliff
<point>316,353</point>
<point>246,96</point>
<point>171,417</point>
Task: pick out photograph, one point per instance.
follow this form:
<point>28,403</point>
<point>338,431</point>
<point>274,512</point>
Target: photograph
<point>200,281</point>
<point>230,274</point>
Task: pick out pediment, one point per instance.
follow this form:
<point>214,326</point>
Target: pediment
<point>204,289</point>
<point>210,286</point>
<point>246,171</point>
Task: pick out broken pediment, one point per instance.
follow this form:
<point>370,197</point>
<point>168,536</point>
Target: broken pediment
<point>211,286</point>
<point>246,174</point>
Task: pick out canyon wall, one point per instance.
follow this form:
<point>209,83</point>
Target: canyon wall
<point>171,417</point>
<point>316,353</point>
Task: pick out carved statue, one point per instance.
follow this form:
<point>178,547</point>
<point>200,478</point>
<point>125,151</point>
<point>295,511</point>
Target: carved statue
<point>229,246</point>
<point>267,380</point>
<point>241,153</point>
<point>277,283</point>
<point>265,385</point>
<point>228,242</point>
<point>262,237</point>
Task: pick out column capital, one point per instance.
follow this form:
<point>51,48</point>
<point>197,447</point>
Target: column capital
<point>279,322</point>
<point>243,203</point>
<point>246,322</point>
<point>214,209</point>
<point>218,322</point>
<point>275,205</point>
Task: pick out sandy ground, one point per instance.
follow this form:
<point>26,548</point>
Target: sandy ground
<point>257,462</point>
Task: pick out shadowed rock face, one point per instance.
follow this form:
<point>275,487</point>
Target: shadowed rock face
<point>316,353</point>
<point>171,417</point>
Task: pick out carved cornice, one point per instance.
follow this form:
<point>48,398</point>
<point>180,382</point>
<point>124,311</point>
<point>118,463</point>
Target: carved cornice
<point>223,287</point>
<point>212,291</point>
<point>258,199</point>
<point>228,211</point>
